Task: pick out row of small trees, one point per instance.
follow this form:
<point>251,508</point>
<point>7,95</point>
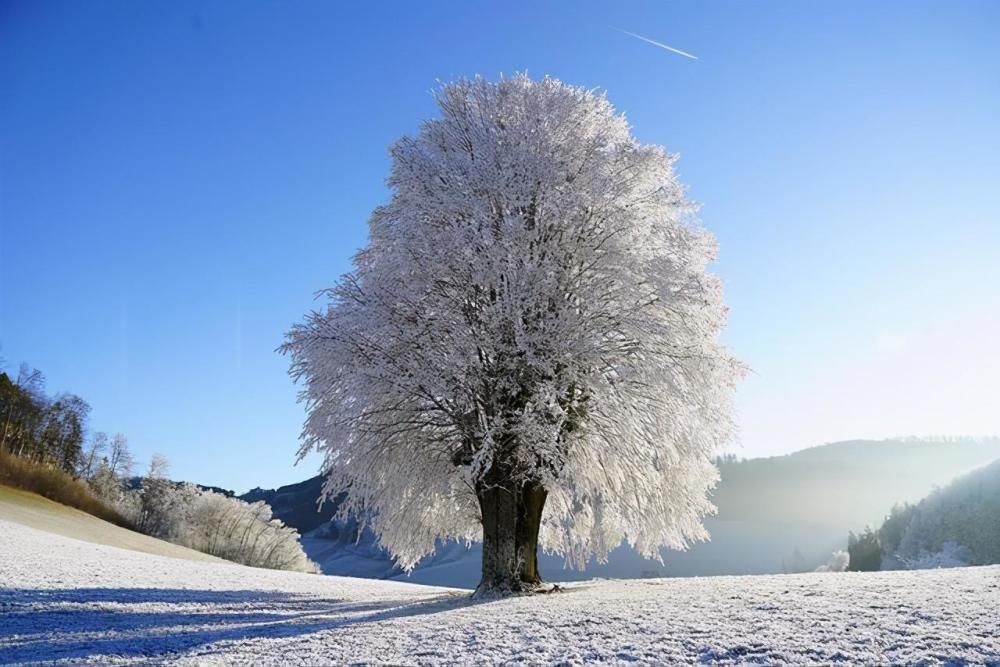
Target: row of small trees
<point>210,522</point>
<point>44,447</point>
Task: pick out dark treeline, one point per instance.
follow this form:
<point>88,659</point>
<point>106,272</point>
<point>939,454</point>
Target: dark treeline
<point>46,448</point>
<point>53,430</point>
<point>38,427</point>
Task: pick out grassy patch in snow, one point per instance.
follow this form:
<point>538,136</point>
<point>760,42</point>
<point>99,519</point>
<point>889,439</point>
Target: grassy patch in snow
<point>55,484</point>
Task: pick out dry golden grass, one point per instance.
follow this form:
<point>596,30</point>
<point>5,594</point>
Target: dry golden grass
<point>56,485</point>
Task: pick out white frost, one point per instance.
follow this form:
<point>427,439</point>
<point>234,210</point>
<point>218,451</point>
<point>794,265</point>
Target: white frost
<point>66,600</point>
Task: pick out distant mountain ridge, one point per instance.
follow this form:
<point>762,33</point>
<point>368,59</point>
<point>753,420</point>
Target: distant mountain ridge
<point>296,504</point>
<point>796,508</point>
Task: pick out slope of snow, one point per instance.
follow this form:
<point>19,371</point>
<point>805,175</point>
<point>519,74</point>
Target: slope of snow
<point>66,600</point>
<point>32,510</point>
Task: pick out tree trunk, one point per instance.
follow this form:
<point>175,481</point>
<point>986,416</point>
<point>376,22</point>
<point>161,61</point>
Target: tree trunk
<point>6,428</point>
<point>529,519</point>
<point>511,515</point>
<point>498,505</point>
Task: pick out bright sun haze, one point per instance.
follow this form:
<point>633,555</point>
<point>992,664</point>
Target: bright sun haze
<point>178,179</point>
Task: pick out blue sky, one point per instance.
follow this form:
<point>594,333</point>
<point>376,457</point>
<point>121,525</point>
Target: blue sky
<point>178,178</point>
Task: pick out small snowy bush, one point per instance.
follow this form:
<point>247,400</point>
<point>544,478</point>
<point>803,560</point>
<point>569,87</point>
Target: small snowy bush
<point>838,562</point>
<point>242,532</point>
<point>209,522</point>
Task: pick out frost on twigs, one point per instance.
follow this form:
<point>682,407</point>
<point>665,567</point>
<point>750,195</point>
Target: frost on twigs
<point>531,321</point>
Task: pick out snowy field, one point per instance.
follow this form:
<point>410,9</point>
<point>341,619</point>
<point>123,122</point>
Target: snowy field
<point>62,599</point>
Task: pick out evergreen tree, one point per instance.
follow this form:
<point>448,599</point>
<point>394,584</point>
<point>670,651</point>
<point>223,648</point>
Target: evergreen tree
<point>865,551</point>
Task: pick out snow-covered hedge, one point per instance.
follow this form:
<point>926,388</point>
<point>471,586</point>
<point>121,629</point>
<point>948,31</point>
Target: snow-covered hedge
<point>209,522</point>
<point>218,525</point>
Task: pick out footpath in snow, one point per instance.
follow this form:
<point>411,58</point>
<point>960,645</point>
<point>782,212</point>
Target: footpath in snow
<point>66,600</point>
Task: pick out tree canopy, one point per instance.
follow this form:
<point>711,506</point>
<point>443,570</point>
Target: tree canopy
<point>532,307</point>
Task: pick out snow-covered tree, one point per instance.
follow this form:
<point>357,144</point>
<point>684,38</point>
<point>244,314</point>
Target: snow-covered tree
<point>204,520</point>
<point>120,458</point>
<point>108,479</point>
<point>241,532</point>
<point>105,485</point>
<point>159,508</point>
<point>91,458</point>
<point>951,554</point>
<point>527,349</point>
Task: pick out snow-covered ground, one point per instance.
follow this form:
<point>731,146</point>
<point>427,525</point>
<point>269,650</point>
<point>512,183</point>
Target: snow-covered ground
<point>64,599</point>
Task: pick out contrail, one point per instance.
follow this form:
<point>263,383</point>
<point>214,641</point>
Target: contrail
<point>659,44</point>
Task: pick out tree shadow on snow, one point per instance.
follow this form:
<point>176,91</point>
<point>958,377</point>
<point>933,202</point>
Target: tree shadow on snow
<point>86,623</point>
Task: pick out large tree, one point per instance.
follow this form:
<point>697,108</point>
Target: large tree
<point>527,349</point>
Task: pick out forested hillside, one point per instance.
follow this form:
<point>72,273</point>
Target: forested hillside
<point>956,525</point>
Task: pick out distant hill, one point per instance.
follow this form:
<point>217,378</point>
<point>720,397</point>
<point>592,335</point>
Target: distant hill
<point>296,504</point>
<point>857,480</point>
<point>782,513</point>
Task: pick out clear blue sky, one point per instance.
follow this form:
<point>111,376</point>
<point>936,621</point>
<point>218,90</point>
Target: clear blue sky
<point>178,178</point>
